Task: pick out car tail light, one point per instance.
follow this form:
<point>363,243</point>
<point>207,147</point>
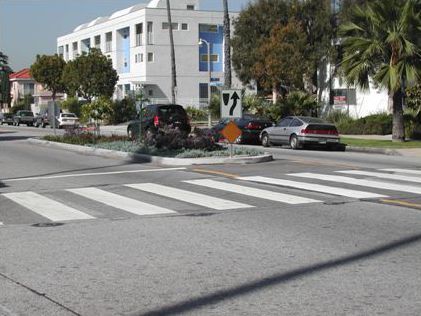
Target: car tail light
<point>156,120</point>
<point>253,126</point>
<point>320,132</point>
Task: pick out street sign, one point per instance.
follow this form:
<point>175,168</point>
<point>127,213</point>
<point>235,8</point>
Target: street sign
<point>231,132</point>
<point>231,104</point>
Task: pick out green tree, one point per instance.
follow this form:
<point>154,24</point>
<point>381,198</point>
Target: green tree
<point>5,71</point>
<point>382,41</point>
<point>73,105</point>
<point>90,75</point>
<point>252,28</point>
<point>284,48</point>
<point>227,46</point>
<point>48,70</point>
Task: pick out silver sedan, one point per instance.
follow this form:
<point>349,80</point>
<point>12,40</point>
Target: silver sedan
<point>298,131</point>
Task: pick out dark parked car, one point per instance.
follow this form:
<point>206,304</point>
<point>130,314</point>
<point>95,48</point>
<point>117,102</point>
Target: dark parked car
<point>23,117</point>
<point>6,118</point>
<point>156,116</point>
<point>298,131</point>
<point>41,119</point>
<point>250,125</point>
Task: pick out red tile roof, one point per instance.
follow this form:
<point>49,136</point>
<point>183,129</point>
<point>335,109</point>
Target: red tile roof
<point>21,74</point>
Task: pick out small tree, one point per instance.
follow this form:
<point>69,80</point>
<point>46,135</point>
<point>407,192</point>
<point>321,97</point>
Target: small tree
<point>48,71</point>
<point>90,75</point>
<point>283,62</point>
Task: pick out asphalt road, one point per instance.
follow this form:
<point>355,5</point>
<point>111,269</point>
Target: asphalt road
<point>75,239</point>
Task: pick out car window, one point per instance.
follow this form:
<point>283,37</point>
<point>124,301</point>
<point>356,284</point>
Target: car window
<point>68,115</point>
<point>285,122</point>
<point>27,113</point>
<point>170,110</point>
<point>296,123</point>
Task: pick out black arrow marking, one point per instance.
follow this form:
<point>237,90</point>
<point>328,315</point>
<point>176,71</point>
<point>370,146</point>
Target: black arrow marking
<point>234,97</point>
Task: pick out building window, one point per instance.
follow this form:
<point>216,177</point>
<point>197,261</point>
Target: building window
<point>166,26</point>
<point>203,90</point>
<point>138,58</point>
<point>108,41</point>
<point>184,26</point>
<point>343,97</point>
<point>150,57</point>
<point>208,28</point>
<point>139,33</point>
<point>97,41</point>
<point>141,58</point>
<point>214,58</point>
<point>149,39</point>
<point>150,93</point>
<point>190,7</point>
<point>67,48</point>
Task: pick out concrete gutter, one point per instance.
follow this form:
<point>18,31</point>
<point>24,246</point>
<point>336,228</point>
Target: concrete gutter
<point>375,150</point>
<point>165,161</point>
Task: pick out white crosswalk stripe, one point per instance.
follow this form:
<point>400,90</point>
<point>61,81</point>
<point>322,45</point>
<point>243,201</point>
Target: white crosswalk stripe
<point>46,207</point>
<point>258,193</point>
<point>409,171</point>
<point>315,187</point>
<point>360,182</point>
<point>382,175</point>
<point>120,202</point>
<point>189,197</point>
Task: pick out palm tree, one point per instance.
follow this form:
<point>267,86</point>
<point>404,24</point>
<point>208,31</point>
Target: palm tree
<point>227,46</point>
<point>382,43</point>
<point>173,70</point>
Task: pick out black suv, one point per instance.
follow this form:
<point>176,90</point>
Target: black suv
<point>156,116</point>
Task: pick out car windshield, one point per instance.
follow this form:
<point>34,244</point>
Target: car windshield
<point>68,115</point>
<point>27,113</point>
<point>171,110</point>
<point>254,117</point>
<point>308,119</point>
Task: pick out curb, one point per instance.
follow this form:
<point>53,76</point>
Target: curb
<point>374,150</point>
<point>165,161</point>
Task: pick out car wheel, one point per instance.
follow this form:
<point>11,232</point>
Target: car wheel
<point>43,125</point>
<point>265,140</point>
<point>294,143</point>
<point>17,123</point>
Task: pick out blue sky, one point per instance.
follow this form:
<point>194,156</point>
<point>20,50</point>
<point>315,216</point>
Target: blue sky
<point>31,27</point>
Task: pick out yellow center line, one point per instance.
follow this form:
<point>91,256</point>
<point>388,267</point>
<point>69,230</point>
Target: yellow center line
<point>215,172</point>
<point>399,202</point>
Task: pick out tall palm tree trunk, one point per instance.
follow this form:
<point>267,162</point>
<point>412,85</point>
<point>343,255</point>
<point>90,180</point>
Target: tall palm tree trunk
<point>173,70</point>
<point>227,47</point>
<point>398,130</point>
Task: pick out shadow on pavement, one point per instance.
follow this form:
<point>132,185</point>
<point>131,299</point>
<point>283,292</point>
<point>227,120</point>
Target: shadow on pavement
<point>9,138</point>
<point>276,279</point>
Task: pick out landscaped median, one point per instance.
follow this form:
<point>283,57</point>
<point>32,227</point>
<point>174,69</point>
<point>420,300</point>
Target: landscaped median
<point>382,146</point>
<point>121,148</point>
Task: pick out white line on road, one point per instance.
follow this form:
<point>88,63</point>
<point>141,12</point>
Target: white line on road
<point>189,197</point>
<point>46,207</point>
<point>120,202</point>
<point>360,182</point>
<point>415,172</point>
<point>382,175</point>
<point>91,174</point>
<point>258,193</point>
<point>315,187</point>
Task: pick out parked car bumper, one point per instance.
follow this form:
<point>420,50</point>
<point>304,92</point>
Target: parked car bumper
<point>314,140</point>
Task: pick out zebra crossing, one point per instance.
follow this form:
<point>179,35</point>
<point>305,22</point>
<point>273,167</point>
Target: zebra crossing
<point>248,192</point>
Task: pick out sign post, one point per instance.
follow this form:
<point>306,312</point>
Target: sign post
<point>231,107</point>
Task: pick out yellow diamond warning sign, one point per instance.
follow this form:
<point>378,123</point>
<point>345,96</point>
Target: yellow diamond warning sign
<point>231,132</point>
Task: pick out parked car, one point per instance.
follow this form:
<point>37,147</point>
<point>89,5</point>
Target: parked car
<point>41,118</point>
<point>298,131</point>
<point>6,118</point>
<point>23,117</point>
<point>156,116</point>
<point>67,120</point>
<point>250,125</point>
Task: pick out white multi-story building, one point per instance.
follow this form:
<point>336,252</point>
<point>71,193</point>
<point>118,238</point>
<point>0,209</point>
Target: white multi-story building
<point>137,41</point>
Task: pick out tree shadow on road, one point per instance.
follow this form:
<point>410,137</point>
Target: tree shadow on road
<point>276,279</point>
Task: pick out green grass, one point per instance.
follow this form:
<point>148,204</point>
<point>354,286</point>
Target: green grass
<point>357,142</point>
